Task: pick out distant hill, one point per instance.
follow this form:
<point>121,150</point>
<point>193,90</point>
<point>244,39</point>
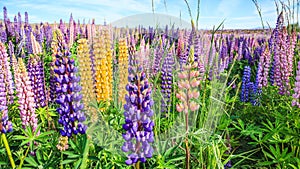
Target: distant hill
<point>155,20</point>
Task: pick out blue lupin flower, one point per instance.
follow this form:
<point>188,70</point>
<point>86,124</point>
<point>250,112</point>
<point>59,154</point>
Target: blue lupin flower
<point>244,97</point>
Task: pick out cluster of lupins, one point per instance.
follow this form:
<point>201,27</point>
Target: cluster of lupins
<point>72,88</point>
<point>277,70</point>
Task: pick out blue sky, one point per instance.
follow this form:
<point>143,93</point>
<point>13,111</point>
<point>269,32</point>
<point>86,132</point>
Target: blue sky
<point>237,13</point>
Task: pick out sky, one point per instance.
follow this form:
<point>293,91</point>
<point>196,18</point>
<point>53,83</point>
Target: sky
<point>237,14</point>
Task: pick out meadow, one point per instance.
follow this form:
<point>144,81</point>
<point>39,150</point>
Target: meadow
<point>80,95</point>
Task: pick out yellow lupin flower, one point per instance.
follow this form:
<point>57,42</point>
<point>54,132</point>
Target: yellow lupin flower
<point>102,77</point>
<point>123,70</point>
<point>109,60</point>
<point>86,74</point>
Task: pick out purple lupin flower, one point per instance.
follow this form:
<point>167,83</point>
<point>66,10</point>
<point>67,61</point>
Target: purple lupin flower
<point>263,68</point>
<point>5,124</point>
<point>36,75</point>
<point>70,111</point>
<point>48,34</point>
<point>244,97</point>
<point>296,95</point>
<point>138,123</point>
<point>167,80</point>
<point>158,54</point>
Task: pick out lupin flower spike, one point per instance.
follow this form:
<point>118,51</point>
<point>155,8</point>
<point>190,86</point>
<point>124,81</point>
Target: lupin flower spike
<point>26,97</point>
<point>35,68</point>
<point>123,69</point>
<point>5,124</point>
<point>296,95</point>
<point>187,85</point>
<point>167,79</point>
<point>103,67</point>
<point>138,123</point>
<point>86,74</point>
<point>70,111</point>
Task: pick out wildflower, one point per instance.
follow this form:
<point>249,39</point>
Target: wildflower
<point>296,95</point>
<point>167,79</point>
<point>245,84</point>
<point>25,97</point>
<point>85,73</point>
<point>123,69</point>
<point>70,108</point>
<point>36,74</point>
<point>187,84</point>
<point>138,123</point>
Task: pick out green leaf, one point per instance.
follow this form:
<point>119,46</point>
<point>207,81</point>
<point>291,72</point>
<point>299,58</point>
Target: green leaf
<point>265,163</point>
<point>68,161</point>
<point>69,153</point>
<point>31,161</point>
<point>77,164</point>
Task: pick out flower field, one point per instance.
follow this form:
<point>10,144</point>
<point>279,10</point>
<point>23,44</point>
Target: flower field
<point>81,95</point>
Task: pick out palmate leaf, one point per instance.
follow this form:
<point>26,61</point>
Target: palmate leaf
<point>68,161</point>
<point>31,161</point>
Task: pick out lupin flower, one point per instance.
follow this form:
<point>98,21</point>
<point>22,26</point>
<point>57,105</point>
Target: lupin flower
<point>52,80</point>
<point>138,123</point>
<point>158,55</point>
<point>71,31</point>
<point>282,68</point>
<point>109,60</point>
<point>131,50</point>
<point>187,85</point>
<point>7,73</point>
<point>5,125</point>
<point>25,97</point>
<point>36,74</point>
<point>101,70</point>
<point>181,49</point>
<point>123,69</point>
<point>62,143</point>
<point>6,91</point>
<point>296,95</point>
<point>244,97</point>
<point>167,80</point>
<point>263,68</point>
<point>70,111</point>
<point>86,75</point>
<point>103,66</point>
<point>282,47</point>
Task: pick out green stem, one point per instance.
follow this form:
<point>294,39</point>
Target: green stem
<point>23,158</point>
<point>85,154</point>
<point>61,159</point>
<point>12,162</point>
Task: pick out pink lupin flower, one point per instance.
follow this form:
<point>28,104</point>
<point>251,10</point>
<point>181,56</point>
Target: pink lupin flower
<point>195,82</point>
<point>187,85</point>
<point>26,97</point>
<point>180,107</point>
<point>182,75</point>
<point>194,106</point>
